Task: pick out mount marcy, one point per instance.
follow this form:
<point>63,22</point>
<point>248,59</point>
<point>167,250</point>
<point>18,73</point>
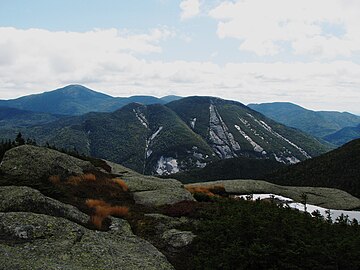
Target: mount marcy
<point>152,135</point>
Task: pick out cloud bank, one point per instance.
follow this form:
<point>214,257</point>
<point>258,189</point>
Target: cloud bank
<point>321,35</point>
<point>321,28</point>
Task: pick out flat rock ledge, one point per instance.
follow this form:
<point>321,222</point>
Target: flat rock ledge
<point>25,199</point>
<point>36,241</point>
<point>149,190</point>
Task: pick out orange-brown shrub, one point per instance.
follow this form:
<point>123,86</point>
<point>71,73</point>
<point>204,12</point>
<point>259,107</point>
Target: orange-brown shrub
<point>103,210</point>
<point>121,183</point>
<point>97,221</point>
<point>198,189</point>
<point>119,211</point>
<point>88,177</point>
<point>55,179</point>
<point>209,190</point>
<point>76,180</point>
<point>92,203</point>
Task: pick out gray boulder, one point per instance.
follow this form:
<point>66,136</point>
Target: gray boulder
<point>36,241</point>
<point>31,162</point>
<point>25,199</point>
<point>178,239</point>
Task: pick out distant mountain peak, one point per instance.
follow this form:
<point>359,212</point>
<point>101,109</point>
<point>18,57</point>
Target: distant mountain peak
<point>78,91</point>
<point>74,99</point>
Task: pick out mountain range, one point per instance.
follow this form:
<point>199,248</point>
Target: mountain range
<point>77,100</point>
<point>321,124</point>
<point>159,139</point>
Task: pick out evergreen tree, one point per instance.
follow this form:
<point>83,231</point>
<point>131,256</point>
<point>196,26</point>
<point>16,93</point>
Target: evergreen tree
<point>19,139</point>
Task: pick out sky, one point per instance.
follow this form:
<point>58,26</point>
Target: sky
<point>253,51</point>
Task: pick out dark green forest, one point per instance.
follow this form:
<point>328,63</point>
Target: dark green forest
<point>339,168</point>
<point>263,235</point>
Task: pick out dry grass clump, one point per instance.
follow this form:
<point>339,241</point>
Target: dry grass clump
<point>121,183</point>
<point>209,190</point>
<point>103,210</point>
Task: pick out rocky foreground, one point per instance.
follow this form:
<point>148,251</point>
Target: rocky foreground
<point>38,232</point>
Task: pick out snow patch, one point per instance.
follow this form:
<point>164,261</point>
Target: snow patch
<point>309,207</point>
<point>166,165</point>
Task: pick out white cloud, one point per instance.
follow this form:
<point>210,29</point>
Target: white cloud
<point>36,60</point>
<point>189,8</point>
<point>307,26</point>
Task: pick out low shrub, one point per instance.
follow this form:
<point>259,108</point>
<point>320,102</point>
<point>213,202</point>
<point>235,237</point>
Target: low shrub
<point>102,210</point>
<point>76,180</point>
<point>121,183</point>
<point>209,190</point>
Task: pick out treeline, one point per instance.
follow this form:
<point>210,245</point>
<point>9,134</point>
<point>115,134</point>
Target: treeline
<point>6,145</point>
<point>19,140</point>
<point>262,235</point>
